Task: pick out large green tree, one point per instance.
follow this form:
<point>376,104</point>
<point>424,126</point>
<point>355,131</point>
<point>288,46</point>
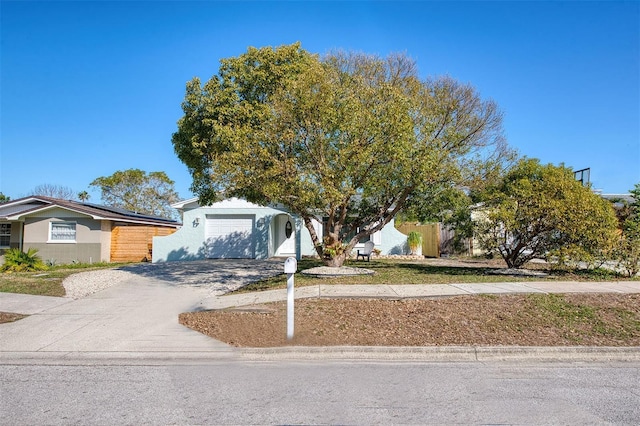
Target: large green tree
<point>136,190</point>
<point>628,249</point>
<point>540,210</point>
<point>348,138</point>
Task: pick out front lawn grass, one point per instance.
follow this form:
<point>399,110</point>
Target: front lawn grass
<point>48,282</point>
<point>391,271</point>
<point>38,283</point>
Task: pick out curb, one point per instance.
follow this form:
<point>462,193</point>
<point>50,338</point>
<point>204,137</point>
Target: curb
<point>336,353</point>
<point>114,358</point>
<point>445,353</point>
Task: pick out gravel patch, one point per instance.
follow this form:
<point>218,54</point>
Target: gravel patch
<point>218,276</point>
<point>327,271</point>
<point>83,284</point>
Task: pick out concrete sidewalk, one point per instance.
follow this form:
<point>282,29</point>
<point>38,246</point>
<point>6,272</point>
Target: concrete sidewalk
<point>137,321</point>
<point>391,291</point>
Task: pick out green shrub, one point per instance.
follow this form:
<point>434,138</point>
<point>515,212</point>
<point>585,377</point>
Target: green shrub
<point>85,265</point>
<point>16,260</point>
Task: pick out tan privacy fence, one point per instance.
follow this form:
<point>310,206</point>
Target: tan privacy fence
<point>438,240</point>
<point>430,236</point>
<point>133,243</point>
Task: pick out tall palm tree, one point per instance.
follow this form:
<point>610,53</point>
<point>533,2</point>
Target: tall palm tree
<point>83,196</point>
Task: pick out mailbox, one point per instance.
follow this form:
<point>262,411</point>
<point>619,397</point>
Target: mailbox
<point>290,265</point>
<point>290,268</point>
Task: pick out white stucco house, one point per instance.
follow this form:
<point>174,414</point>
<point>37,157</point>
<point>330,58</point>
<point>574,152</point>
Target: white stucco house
<point>237,229</point>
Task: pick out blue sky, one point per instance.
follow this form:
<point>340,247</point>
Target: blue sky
<point>89,88</point>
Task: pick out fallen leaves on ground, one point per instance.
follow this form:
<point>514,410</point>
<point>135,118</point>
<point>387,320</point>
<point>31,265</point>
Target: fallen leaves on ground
<point>521,320</point>
<point>9,317</point>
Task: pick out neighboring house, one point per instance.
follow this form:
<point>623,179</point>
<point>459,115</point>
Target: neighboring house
<point>67,231</point>
<point>236,229</point>
<point>619,200</point>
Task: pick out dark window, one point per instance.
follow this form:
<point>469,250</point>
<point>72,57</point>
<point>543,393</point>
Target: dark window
<point>5,234</point>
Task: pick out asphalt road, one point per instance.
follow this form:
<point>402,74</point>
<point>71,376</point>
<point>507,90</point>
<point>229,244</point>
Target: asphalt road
<point>233,392</point>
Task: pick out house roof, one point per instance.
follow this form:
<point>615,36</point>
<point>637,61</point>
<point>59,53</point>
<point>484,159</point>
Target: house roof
<point>22,207</point>
<point>626,197</point>
<point>181,204</point>
<point>231,202</point>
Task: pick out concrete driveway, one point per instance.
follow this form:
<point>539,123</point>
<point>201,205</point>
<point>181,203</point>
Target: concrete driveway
<point>137,317</point>
<point>220,276</point>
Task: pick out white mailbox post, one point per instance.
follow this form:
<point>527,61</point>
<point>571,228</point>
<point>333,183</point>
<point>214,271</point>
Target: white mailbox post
<point>290,268</point>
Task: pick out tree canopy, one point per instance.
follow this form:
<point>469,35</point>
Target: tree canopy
<point>135,190</point>
<point>628,249</point>
<point>348,138</point>
<point>540,210</point>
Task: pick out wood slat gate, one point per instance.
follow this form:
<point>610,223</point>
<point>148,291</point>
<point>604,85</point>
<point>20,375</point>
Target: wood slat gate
<point>133,243</point>
<point>430,236</point>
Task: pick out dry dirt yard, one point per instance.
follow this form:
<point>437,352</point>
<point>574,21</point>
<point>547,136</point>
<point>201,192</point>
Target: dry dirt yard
<point>524,320</point>
<point>520,320</point>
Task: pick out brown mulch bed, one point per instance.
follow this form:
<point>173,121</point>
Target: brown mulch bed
<point>521,320</point>
<point>9,317</point>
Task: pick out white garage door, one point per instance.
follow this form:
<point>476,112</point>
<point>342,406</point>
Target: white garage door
<point>229,237</point>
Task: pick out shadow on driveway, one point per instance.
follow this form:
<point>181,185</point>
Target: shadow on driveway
<point>221,275</point>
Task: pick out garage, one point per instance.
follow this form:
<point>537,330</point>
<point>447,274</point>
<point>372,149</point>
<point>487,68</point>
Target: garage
<point>229,236</point>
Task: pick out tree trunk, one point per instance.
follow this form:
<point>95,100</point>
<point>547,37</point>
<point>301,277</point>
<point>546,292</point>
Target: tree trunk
<point>514,260</point>
<point>509,262</point>
<point>337,261</point>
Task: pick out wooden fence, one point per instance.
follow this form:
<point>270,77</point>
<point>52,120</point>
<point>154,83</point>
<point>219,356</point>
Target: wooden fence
<point>134,243</point>
<point>430,236</point>
<point>437,239</point>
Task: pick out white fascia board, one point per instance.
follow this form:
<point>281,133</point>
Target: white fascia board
<point>24,200</point>
<point>180,204</point>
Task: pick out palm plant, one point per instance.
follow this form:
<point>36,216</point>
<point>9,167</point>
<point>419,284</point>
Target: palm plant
<point>16,260</point>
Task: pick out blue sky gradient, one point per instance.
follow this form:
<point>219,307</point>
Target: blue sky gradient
<point>89,88</point>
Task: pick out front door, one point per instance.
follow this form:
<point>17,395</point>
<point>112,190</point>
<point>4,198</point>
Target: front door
<point>285,246</point>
